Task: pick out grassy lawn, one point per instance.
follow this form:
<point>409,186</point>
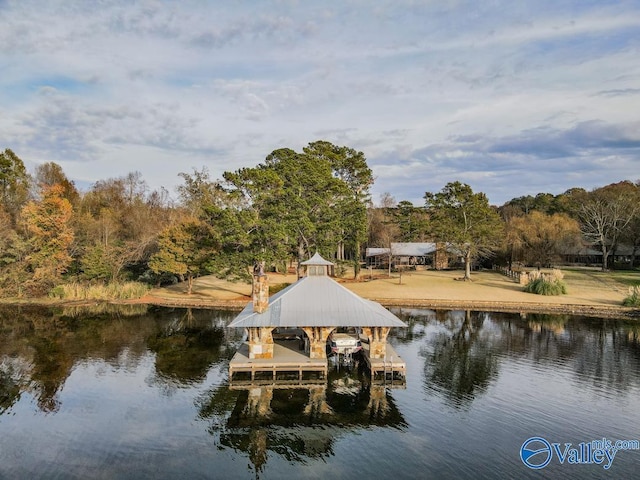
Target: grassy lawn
<point>628,277</point>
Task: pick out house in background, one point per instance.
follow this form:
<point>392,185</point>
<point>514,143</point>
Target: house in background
<point>412,254</point>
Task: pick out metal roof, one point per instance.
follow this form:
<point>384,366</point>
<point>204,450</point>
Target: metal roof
<point>317,301</point>
<point>413,249</point>
<point>409,249</point>
<point>316,260</point>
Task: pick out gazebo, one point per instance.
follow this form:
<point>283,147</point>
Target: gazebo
<point>317,305</point>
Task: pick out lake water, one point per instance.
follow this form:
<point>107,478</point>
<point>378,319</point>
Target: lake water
<point>137,394</point>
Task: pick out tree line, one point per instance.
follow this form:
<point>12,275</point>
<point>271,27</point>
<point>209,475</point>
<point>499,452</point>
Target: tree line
<point>279,212</point>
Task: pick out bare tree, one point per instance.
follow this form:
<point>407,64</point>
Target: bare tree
<point>606,214</point>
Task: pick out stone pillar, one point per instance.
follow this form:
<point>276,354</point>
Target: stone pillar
<point>260,293</point>
<point>318,340</point>
<point>440,257</point>
<point>377,341</point>
<point>260,342</point>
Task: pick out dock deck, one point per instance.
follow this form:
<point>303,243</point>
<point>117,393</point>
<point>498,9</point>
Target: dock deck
<point>391,366</point>
<point>287,359</point>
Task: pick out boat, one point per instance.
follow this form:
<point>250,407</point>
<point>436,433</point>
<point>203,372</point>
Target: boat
<point>344,344</point>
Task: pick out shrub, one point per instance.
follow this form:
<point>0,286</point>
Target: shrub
<point>273,289</point>
<point>111,291</point>
<point>546,283</point>
<point>633,299</point>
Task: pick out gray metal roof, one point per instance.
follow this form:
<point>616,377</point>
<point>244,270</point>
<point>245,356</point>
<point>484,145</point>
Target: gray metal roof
<point>317,301</point>
<point>408,249</point>
<point>413,249</point>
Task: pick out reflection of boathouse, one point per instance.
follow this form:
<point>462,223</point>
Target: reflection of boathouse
<point>307,312</point>
<point>303,421</point>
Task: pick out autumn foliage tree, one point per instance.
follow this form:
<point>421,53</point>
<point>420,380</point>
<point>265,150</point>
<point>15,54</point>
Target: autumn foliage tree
<point>541,238</point>
<point>185,249</point>
<point>48,222</point>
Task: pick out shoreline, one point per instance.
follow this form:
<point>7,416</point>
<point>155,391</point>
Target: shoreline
<point>612,312</point>
<point>591,294</point>
<point>436,304</point>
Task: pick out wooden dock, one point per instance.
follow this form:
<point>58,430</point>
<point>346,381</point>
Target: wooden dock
<point>393,366</point>
<point>288,363</point>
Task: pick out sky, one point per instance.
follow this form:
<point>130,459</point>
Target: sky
<point>512,98</point>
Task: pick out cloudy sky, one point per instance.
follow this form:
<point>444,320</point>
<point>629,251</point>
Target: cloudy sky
<point>513,98</point>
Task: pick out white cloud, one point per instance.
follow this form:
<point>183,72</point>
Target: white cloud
<point>427,90</point>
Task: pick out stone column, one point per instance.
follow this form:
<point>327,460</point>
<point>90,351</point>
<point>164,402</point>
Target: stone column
<point>260,342</point>
<point>377,341</point>
<point>318,340</point>
<point>260,293</point>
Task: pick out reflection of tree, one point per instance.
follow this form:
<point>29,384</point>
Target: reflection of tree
<point>185,355</point>
<point>463,361</point>
<point>412,332</point>
<point>9,387</point>
<point>463,349</point>
<point>49,343</point>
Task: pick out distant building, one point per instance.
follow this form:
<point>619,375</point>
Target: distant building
<point>428,254</point>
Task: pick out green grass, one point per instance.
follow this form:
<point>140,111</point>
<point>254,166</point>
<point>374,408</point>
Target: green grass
<point>630,278</point>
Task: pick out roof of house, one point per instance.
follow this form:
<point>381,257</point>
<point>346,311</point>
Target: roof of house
<point>317,301</point>
<point>408,249</point>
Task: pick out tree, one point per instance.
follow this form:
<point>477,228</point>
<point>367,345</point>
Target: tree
<point>605,215</point>
<point>117,227</point>
<point>350,166</point>
<point>199,192</point>
<point>15,184</point>
<point>631,235</point>
<point>383,230</point>
<point>185,249</point>
<point>49,174</point>
<point>541,237</point>
<point>464,220</point>
<point>48,221</point>
<point>411,221</point>
<point>305,202</point>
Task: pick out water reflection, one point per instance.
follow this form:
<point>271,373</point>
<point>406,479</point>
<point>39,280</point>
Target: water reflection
<point>143,391</point>
<point>41,347</point>
<point>300,421</point>
<point>464,350</point>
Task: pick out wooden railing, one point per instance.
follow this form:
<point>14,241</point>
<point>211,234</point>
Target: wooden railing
<point>507,272</point>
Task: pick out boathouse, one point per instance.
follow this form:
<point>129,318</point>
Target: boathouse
<point>314,307</point>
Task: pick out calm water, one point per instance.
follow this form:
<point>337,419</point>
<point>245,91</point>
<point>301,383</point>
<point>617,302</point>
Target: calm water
<point>145,395</point>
